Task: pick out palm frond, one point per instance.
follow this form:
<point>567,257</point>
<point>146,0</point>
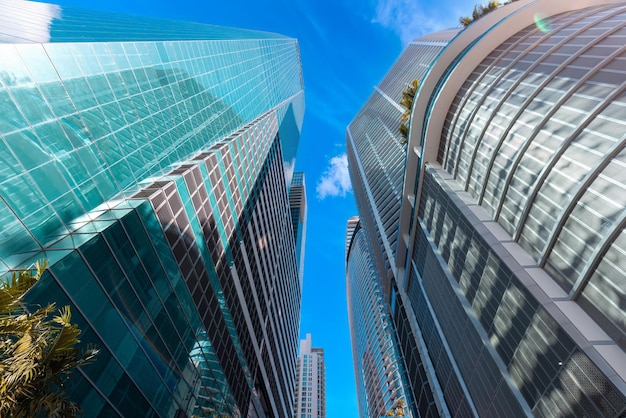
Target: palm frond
<point>14,286</point>
<point>36,351</point>
<point>408,96</point>
<point>465,21</point>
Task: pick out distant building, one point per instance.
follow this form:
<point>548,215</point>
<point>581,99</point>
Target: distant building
<point>310,382</point>
<point>145,159</point>
<point>297,203</point>
<point>378,367</point>
<point>499,231</point>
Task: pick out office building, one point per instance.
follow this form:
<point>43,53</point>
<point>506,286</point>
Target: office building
<point>507,278</point>
<point>310,382</point>
<point>146,160</point>
<point>378,367</point>
<point>297,203</point>
<point>376,156</point>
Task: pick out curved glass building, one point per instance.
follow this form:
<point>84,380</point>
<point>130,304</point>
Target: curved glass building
<point>511,259</point>
<point>377,365</point>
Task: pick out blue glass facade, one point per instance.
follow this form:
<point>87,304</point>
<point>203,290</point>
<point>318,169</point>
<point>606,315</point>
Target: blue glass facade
<point>130,299</point>
<point>85,122</point>
<point>146,160</point>
<point>297,203</point>
<point>379,369</point>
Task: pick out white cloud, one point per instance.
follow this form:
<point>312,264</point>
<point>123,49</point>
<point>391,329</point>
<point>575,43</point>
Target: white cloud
<point>409,19</point>
<point>336,180</point>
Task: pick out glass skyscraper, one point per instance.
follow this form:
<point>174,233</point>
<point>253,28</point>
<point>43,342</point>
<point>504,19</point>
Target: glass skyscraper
<point>297,203</point>
<point>379,369</point>
<point>376,155</point>
<point>376,159</point>
<point>508,274</point>
<point>147,161</point>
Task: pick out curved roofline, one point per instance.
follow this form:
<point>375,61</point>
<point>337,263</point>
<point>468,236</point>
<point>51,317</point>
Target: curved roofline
<point>357,227</point>
<point>444,78</point>
<point>437,91</point>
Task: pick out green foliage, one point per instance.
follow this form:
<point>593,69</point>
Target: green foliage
<point>397,409</point>
<point>408,95</point>
<point>478,12</point>
<point>465,20</point>
<point>37,353</point>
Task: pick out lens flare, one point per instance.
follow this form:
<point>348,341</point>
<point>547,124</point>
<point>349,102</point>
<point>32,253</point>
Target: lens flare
<point>543,23</point>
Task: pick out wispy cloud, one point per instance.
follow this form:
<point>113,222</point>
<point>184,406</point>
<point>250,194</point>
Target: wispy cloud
<point>336,180</point>
<point>409,19</point>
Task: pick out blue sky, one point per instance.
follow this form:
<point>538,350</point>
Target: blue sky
<point>347,46</point>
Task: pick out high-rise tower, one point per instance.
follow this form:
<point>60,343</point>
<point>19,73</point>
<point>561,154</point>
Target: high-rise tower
<point>311,381</point>
<point>509,266</point>
<point>297,203</point>
<point>377,364</point>
<point>145,159</point>
<point>376,155</point>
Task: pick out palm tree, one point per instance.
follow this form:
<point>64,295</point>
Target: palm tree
<point>478,12</point>
<point>408,95</point>
<point>490,7</point>
<point>37,354</point>
<point>397,409</point>
<point>465,21</point>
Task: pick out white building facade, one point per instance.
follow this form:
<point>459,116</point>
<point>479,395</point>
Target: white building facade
<point>311,382</point>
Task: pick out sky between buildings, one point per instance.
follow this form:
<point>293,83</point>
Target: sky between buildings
<point>346,46</point>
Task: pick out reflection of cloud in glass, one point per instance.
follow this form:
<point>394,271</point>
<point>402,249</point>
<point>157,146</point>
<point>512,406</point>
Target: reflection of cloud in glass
<point>26,22</point>
<point>289,167</point>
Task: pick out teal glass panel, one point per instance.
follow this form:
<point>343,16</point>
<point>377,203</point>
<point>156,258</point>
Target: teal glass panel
<point>105,373</point>
<point>9,165</point>
<point>57,98</point>
<point>14,237</point>
<point>52,136</point>
<point>14,72</point>
<point>28,150</point>
<point>19,192</point>
<point>76,130</point>
<point>135,351</point>
<point>49,180</point>
<point>38,63</point>
<point>12,118</point>
<point>73,171</point>
<point>43,224</point>
<point>31,104</point>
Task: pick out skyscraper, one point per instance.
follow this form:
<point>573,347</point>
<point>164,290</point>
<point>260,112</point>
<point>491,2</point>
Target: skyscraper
<point>147,161</point>
<point>311,381</point>
<point>376,156</point>
<point>377,364</point>
<point>297,203</point>
<point>376,159</point>
<point>508,277</point>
